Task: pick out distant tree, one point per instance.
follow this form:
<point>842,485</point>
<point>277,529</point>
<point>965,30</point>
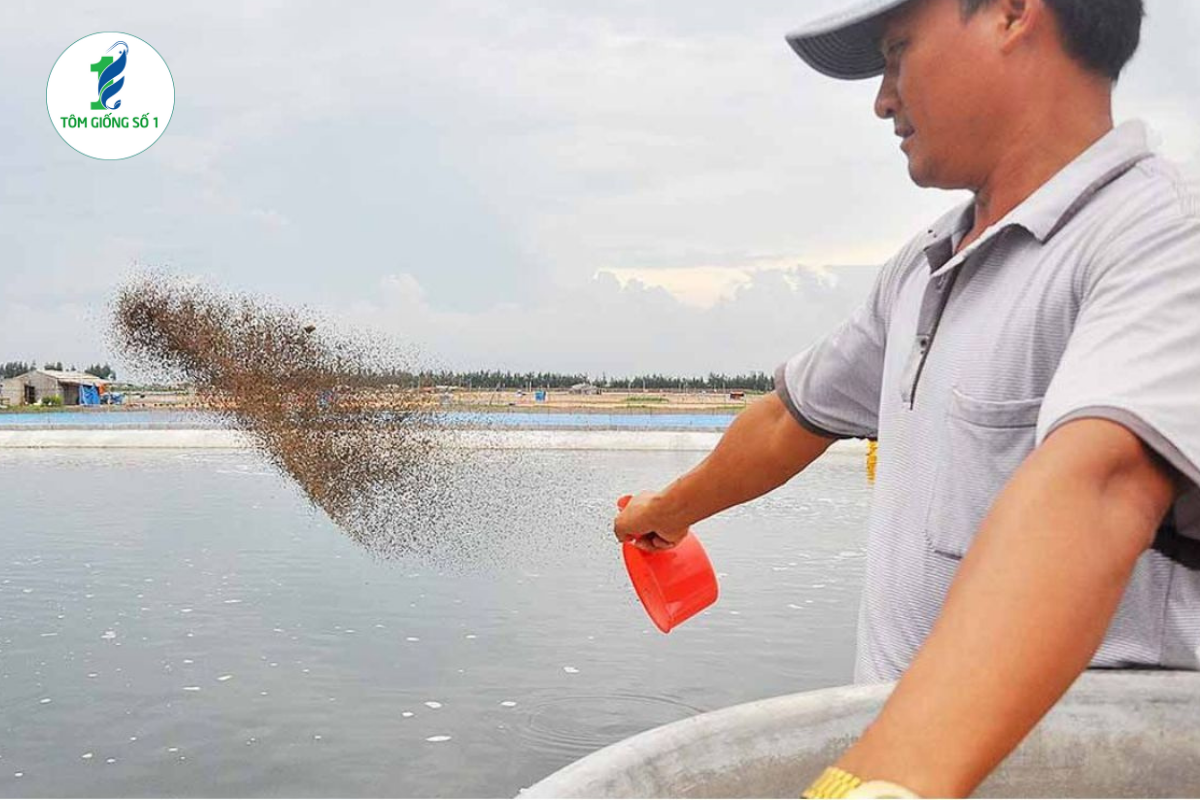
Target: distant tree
<point>57,366</point>
<point>105,372</point>
<point>500,380</point>
<point>12,369</point>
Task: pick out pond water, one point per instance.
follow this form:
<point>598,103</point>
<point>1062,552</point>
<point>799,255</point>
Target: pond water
<point>184,624</point>
<point>102,418</point>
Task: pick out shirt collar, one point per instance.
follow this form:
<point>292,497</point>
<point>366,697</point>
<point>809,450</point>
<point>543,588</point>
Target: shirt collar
<point>1045,212</point>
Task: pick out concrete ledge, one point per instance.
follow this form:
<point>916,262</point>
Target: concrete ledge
<point>1114,734</point>
<point>134,438</point>
<point>470,439</point>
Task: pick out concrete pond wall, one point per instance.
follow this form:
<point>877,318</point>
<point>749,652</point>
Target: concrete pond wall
<point>1114,734</point>
<point>499,439</point>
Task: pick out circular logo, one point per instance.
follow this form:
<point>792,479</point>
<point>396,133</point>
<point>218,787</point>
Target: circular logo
<point>110,95</point>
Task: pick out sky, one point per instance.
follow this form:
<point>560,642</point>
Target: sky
<point>591,187</point>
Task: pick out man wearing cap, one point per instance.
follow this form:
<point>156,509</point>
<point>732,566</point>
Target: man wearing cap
<point>1029,363</point>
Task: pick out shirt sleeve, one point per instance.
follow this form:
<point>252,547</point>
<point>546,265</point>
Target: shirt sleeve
<point>1134,354</point>
<point>833,387</point>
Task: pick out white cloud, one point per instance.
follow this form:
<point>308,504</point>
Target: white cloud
<point>621,327</point>
<point>552,185</point>
<point>703,287</point>
<point>270,219</point>
<point>698,287</point>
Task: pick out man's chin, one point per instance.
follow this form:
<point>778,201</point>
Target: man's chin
<point>926,178</point>
<point>918,175</point>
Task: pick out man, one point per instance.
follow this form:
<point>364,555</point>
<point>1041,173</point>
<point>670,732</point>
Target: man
<point>1030,365</point>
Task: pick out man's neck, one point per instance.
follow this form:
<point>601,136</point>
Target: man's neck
<point>1041,152</point>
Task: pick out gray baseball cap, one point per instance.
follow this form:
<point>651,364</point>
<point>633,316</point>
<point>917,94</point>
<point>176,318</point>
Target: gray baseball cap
<point>845,44</point>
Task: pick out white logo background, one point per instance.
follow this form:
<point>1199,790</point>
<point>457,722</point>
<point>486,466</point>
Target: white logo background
<point>148,90</point>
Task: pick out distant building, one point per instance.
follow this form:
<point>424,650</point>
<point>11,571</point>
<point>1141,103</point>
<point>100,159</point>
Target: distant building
<point>75,388</point>
<point>585,388</point>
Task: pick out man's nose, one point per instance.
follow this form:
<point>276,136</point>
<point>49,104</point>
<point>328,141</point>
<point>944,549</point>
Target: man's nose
<point>886,101</point>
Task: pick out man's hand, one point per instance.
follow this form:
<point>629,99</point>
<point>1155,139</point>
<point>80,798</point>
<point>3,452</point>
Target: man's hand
<point>1026,613</point>
<point>645,523</point>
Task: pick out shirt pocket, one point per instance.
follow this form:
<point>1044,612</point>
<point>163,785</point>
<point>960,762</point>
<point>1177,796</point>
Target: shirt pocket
<point>985,443</point>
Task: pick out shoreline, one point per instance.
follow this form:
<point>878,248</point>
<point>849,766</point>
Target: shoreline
<point>467,408</point>
<point>216,439</point>
<point>508,401</point>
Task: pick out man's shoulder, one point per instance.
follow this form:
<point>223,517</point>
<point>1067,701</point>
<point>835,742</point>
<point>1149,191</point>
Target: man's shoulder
<point>1156,192</point>
<point>1145,222</point>
<point>1175,187</point>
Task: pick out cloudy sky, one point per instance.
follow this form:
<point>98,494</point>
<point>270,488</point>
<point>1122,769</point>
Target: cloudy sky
<point>588,186</point>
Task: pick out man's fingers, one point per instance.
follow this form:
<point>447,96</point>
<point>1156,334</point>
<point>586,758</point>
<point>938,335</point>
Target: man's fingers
<point>649,542</point>
<point>652,543</point>
<point>621,536</point>
<point>644,541</point>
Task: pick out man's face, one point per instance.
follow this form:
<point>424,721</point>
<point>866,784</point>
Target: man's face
<point>942,92</point>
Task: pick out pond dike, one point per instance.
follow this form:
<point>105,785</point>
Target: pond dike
<point>63,437</point>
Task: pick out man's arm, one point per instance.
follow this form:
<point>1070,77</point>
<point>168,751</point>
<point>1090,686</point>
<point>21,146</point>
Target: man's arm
<point>1028,609</point>
<point>763,449</point>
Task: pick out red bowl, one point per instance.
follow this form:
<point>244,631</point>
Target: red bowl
<point>673,585</point>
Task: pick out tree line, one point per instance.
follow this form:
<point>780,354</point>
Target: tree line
<point>12,369</point>
<point>494,379</point>
<point>497,379</point>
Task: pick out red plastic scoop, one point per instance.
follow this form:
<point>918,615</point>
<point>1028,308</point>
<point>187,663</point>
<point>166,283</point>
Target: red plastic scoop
<point>674,585</point>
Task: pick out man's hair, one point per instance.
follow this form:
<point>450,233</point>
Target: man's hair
<point>1100,34</point>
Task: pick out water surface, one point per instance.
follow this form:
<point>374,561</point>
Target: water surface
<point>105,419</point>
<point>183,624</point>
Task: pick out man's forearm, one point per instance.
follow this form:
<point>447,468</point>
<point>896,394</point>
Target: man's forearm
<point>763,449</point>
<point>1026,613</point>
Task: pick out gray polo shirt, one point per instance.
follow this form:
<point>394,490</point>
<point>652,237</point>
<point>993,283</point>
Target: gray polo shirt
<point>1083,302</point>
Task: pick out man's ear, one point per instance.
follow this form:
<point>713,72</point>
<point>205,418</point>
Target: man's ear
<point>1018,21</point>
<point>1014,11</point>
